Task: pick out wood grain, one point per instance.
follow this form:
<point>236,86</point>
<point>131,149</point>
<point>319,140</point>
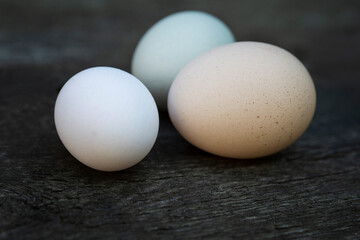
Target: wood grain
<point>308,191</point>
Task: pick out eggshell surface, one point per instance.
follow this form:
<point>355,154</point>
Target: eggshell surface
<point>106,118</point>
<point>242,100</point>
<point>170,44</point>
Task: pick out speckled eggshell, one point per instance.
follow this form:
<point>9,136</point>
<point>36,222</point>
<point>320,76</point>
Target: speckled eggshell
<point>242,100</point>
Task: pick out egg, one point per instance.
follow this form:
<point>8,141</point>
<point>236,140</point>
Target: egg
<point>170,44</point>
<point>106,118</point>
<point>242,100</point>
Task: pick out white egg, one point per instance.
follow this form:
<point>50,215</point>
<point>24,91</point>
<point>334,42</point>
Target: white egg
<point>106,118</point>
<point>170,44</point>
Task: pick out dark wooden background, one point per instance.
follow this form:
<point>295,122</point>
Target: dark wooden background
<point>309,190</point>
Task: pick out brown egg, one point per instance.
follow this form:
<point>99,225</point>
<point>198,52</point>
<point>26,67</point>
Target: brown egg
<point>242,100</point>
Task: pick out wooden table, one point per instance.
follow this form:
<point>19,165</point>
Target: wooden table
<point>309,190</point>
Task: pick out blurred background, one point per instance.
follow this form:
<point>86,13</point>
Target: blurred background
<point>66,36</point>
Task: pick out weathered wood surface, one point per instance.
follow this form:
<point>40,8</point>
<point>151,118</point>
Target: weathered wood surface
<point>310,190</point>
